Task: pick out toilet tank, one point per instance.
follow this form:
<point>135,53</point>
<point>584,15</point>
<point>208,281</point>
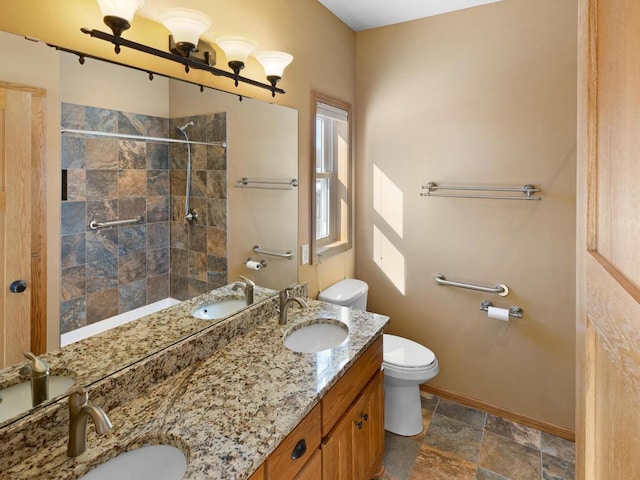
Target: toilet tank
<point>348,292</point>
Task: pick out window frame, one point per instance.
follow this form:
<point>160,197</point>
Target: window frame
<point>338,241</point>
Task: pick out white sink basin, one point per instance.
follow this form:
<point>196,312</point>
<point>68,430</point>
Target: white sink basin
<point>315,336</point>
<point>157,462</point>
<point>16,399</point>
<point>217,310</point>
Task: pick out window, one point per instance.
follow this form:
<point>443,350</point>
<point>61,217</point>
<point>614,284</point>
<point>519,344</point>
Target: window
<point>331,199</point>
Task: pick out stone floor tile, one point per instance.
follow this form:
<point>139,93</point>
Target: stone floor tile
<point>429,401</point>
<point>509,458</point>
<point>399,455</point>
<point>554,468</point>
<point>461,413</point>
<point>456,438</point>
<point>483,474</point>
<point>434,465</point>
<point>513,431</point>
<point>558,447</point>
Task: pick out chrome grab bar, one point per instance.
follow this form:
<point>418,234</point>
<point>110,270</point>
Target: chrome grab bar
<point>500,289</point>
<point>288,254</point>
<point>96,225</point>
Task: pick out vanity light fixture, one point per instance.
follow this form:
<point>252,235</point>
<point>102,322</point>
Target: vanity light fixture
<point>236,49</point>
<point>118,14</point>
<point>274,64</point>
<point>185,47</point>
<point>186,26</point>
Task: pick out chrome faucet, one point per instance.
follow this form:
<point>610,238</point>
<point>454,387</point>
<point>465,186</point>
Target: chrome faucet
<point>39,375</point>
<point>285,301</point>
<point>79,413</point>
<point>246,287</point>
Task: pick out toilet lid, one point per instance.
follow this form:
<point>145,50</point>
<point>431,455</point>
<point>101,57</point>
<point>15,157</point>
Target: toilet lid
<point>403,352</point>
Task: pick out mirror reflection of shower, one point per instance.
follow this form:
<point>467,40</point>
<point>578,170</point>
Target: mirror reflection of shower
<point>189,214</point>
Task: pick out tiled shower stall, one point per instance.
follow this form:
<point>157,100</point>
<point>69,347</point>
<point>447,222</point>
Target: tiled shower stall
<point>113,270</point>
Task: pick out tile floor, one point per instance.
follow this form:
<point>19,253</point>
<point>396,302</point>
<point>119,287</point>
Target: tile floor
<point>462,443</point>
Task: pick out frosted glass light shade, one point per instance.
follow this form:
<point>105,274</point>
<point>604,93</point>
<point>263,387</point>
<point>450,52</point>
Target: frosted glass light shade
<point>124,9</point>
<point>274,62</point>
<point>236,49</point>
<point>185,25</point>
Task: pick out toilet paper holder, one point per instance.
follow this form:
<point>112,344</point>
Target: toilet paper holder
<point>513,311</point>
<point>261,263</point>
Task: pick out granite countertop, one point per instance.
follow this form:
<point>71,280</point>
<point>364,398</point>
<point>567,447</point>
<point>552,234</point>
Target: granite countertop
<point>229,411</point>
<point>98,356</point>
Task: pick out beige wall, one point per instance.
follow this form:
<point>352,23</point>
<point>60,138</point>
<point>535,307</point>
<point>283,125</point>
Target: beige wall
<point>484,96</point>
<point>323,47</point>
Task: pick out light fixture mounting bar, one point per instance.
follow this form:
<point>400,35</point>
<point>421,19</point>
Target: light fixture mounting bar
<point>187,62</point>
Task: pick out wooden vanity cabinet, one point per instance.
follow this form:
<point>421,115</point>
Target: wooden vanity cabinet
<point>343,435</point>
<point>353,449</point>
<point>258,474</point>
<point>353,421</point>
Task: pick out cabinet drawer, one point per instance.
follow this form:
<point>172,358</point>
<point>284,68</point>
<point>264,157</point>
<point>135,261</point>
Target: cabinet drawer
<point>343,393</point>
<point>294,451</point>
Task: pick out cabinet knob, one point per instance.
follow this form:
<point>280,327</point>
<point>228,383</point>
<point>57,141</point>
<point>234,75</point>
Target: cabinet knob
<point>365,416</point>
<point>299,450</point>
<point>359,424</point>
<point>18,286</point>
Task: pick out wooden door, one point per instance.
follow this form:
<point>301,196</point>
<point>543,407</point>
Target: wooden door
<point>608,275</point>
<point>22,240</point>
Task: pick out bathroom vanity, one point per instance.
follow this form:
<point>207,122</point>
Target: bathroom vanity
<point>235,400</point>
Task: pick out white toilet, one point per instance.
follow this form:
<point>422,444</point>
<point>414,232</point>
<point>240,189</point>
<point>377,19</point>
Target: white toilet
<point>406,364</point>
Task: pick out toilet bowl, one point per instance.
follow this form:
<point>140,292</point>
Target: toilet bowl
<point>406,364</point>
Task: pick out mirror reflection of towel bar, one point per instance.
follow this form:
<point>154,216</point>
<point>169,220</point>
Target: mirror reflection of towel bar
<point>500,289</point>
<point>288,254</point>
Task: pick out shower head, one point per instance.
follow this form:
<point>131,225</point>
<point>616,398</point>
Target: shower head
<point>184,127</point>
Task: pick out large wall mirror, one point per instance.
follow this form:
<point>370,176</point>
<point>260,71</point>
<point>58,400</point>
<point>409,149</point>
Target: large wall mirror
<point>116,164</point>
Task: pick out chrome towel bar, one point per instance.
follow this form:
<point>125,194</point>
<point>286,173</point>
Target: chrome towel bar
<point>500,289</point>
<point>288,254</point>
<point>96,225</point>
<point>527,191</point>
<point>267,183</point>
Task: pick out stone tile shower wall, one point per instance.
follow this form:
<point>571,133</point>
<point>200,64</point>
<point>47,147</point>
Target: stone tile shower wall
<point>113,270</point>
<point>199,248</point>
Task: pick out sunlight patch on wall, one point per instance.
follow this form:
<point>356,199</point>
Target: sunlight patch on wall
<point>389,259</point>
<point>388,200</point>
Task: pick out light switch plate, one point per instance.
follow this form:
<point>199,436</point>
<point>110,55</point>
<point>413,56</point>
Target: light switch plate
<point>304,254</point>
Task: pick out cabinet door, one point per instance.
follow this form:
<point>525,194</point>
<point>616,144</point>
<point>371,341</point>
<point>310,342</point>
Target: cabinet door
<point>312,470</point>
<point>368,429</point>
<point>337,457</point>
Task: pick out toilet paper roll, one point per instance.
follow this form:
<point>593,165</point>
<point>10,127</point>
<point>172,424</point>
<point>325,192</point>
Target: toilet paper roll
<point>252,265</point>
<point>499,313</point>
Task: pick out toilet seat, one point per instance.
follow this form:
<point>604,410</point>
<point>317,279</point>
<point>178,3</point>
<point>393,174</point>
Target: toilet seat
<point>406,355</point>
